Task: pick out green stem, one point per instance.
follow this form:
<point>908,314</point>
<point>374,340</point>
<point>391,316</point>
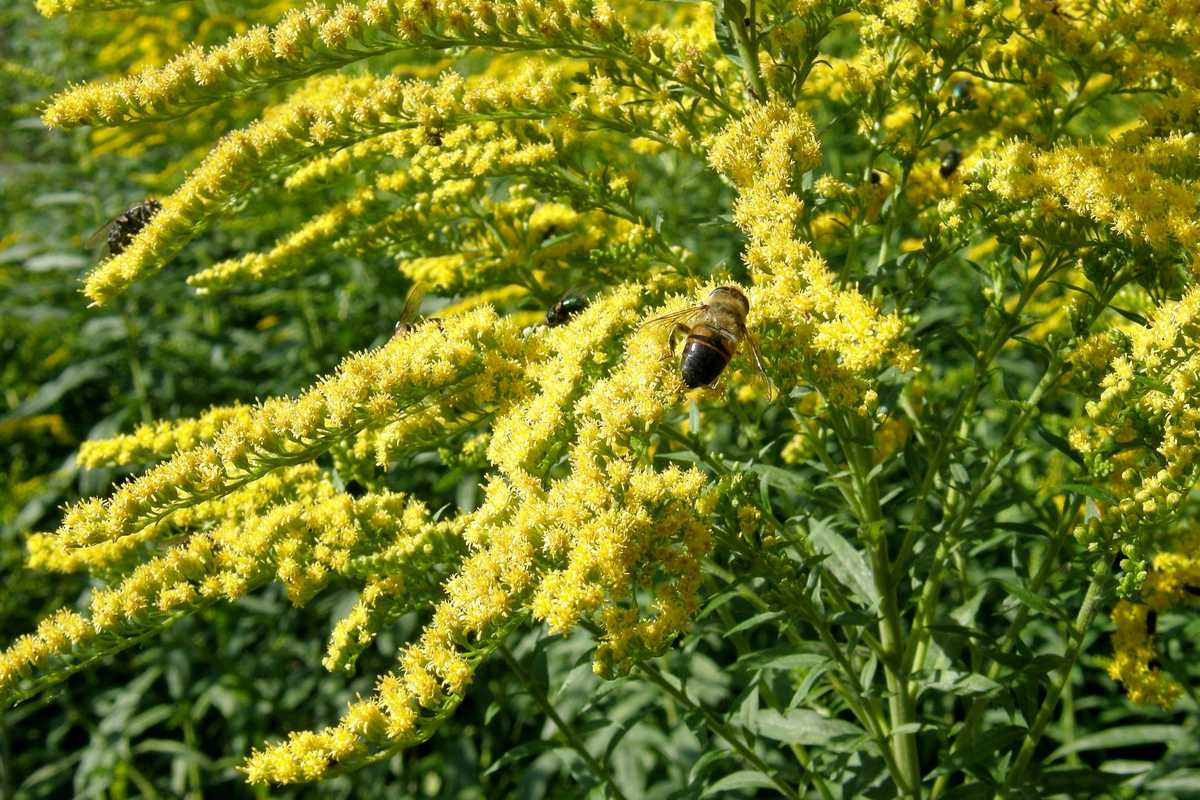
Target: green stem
<point>966,733</point>
<point>871,715</point>
<point>914,658</point>
<point>717,726</point>
<point>901,708</point>
<point>1010,321</point>
<point>746,47</point>
<point>538,693</point>
<point>1083,620</point>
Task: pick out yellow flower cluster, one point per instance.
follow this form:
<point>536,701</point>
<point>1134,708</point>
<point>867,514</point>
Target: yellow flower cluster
<point>401,577</point>
<point>1174,581</point>
<point>317,173</point>
<point>368,389</point>
<point>582,546</point>
<point>525,438</point>
<point>329,113</point>
<point>50,551</point>
<point>237,544</point>
<point>322,38</point>
<point>438,186</point>
<point>1144,427</point>
<point>1130,191</point>
<point>155,441</point>
<point>833,337</point>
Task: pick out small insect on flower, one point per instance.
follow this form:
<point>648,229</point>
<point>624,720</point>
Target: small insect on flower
<point>950,163</point>
<point>568,306</point>
<point>713,331</point>
<point>126,225</point>
<point>412,306</point>
<point>962,90</point>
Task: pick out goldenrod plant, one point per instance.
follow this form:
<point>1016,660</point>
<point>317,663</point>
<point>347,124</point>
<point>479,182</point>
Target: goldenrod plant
<point>936,264</point>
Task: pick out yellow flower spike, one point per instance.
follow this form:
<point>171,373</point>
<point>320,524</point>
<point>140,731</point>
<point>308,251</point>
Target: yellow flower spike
<point>523,437</point>
<point>52,552</point>
<point>326,113</point>
<point>833,337</point>
<point>1151,383</point>
<point>301,543</point>
<point>321,38</point>
<point>470,348</point>
<point>1123,188</point>
<point>155,441</point>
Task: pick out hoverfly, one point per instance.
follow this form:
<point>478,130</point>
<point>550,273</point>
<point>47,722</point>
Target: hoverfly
<point>567,306</point>
<point>713,331</point>
<point>950,162</point>
<point>412,306</point>
<point>126,225</point>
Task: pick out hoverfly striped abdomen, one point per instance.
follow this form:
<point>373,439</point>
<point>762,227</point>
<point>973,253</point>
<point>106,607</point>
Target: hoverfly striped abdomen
<point>706,352</point>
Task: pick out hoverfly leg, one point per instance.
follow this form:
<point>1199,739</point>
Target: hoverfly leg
<point>676,330</point>
<point>758,363</point>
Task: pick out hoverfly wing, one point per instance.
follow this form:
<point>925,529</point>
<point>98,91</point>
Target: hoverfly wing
<point>412,307</point>
<point>680,317</point>
<point>94,239</point>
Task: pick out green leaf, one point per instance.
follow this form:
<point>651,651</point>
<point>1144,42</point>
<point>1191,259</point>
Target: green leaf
<point>746,779</point>
<point>1132,316</point>
<point>853,619</point>
<point>804,727</point>
<point>958,473</point>
<point>704,763</point>
<point>1078,781</point>
<point>51,392</point>
<point>173,748</point>
<point>1126,736</point>
<point>784,480</point>
<point>1179,784</point>
<point>722,29</point>
<point>780,658</point>
<point>844,562</point>
<point>1034,601</point>
<point>961,683</point>
<point>755,621</point>
<point>147,719</point>
<point>519,753</point>
<point>1060,444</point>
<point>48,262</point>
<point>1089,491</point>
<point>52,771</point>
<point>61,199</point>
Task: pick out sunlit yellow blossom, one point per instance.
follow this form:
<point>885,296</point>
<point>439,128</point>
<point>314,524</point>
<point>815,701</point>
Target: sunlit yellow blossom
<point>325,114</point>
<point>833,337</point>
<point>367,389</point>
<point>156,441</point>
